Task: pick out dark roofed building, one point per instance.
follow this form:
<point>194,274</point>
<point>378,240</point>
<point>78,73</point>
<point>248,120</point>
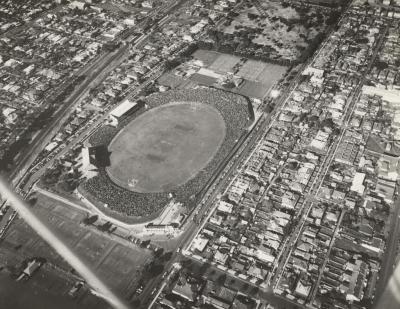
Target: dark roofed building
<point>94,158</point>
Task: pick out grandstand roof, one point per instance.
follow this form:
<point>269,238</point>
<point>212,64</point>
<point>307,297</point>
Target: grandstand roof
<point>121,109</point>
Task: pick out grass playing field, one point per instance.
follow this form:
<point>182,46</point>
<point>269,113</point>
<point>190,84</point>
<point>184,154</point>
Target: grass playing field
<point>166,146</point>
<point>114,260</point>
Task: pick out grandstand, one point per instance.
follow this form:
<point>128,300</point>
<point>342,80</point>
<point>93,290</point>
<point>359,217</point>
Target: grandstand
<point>126,203</point>
<point>124,109</point>
<point>94,158</point>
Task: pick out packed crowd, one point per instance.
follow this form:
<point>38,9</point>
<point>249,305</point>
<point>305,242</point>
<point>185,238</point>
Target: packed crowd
<point>122,200</point>
<point>235,111</point>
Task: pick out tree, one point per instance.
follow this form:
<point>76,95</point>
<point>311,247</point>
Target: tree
<point>293,165</point>
<point>51,176</point>
<point>381,65</point>
<point>285,4</point>
<point>254,290</point>
<point>206,306</point>
<point>154,269</point>
<point>90,220</point>
<point>252,16</point>
<point>336,131</point>
<point>328,122</point>
<point>171,64</point>
<point>186,263</point>
<point>135,303</point>
<point>221,279</point>
<point>269,108</point>
<point>105,227</point>
<point>167,256</point>
<point>245,300</point>
<point>158,253</point>
<point>362,40</point>
<point>145,243</point>
<point>333,18</point>
<point>66,185</point>
<point>204,267</point>
<point>32,201</point>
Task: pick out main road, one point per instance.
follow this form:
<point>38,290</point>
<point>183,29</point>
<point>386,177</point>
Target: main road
<point>391,249</point>
<point>192,229</point>
<point>222,178</point>
<point>241,153</point>
<point>324,167</point>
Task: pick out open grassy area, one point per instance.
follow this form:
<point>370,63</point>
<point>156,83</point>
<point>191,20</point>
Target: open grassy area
<point>166,146</point>
<point>117,262</point>
<point>212,69</point>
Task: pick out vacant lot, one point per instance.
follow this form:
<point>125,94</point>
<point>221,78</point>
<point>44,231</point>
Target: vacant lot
<point>166,146</point>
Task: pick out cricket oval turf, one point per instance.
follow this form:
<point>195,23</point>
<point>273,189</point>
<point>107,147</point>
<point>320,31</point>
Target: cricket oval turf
<point>166,146</point>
